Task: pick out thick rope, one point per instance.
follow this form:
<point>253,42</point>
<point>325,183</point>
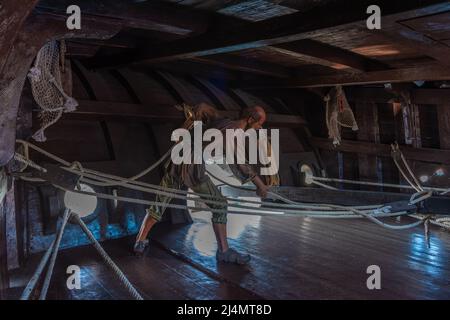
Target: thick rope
<point>398,155</point>
<point>422,193</point>
<point>251,210</point>
<point>150,188</point>
<point>52,253</point>
<point>31,285</point>
<point>51,265</point>
<point>27,162</point>
<point>361,213</point>
<point>108,259</point>
<point>183,195</point>
<point>121,180</point>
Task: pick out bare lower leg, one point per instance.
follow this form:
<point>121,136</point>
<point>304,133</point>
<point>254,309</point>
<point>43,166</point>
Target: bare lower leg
<point>146,226</point>
<point>220,230</point>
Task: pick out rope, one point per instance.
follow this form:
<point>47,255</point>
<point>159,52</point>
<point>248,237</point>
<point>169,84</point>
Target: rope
<point>361,213</point>
<point>49,273</point>
<point>52,252</point>
<point>183,195</point>
<point>323,185</point>
<point>321,210</point>
<point>108,259</point>
<point>396,155</point>
<point>441,191</point>
<point>422,193</point>
<point>251,210</point>
<point>37,274</point>
<point>281,198</point>
<point>146,187</point>
<point>420,196</point>
<point>291,208</point>
<point>27,162</point>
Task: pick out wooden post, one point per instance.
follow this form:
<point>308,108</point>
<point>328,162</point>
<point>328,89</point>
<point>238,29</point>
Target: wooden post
<point>417,141</point>
<point>443,112</point>
<point>4,281</point>
<point>367,119</point>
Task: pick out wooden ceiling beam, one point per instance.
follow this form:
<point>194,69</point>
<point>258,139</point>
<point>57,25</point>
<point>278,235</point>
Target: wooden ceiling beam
<point>12,17</point>
<point>203,70</point>
<point>425,73</point>
<point>384,150</point>
<point>80,49</point>
<point>410,38</point>
<point>282,30</point>
<point>161,112</point>
<point>151,15</point>
<point>246,65</point>
<point>122,43</point>
<point>381,95</point>
<point>326,55</point>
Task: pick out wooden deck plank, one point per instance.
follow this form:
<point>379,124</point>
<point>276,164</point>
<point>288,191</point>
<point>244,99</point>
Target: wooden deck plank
<point>156,276</point>
<point>296,258</point>
<point>292,258</point>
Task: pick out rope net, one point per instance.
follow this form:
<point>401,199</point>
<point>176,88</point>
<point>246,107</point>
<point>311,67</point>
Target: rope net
<point>338,114</point>
<point>46,85</point>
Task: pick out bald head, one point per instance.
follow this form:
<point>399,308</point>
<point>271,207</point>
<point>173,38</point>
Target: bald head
<point>255,117</point>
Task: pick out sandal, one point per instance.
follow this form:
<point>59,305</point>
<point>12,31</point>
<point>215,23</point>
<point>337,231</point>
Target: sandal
<point>140,247</point>
<point>232,256</point>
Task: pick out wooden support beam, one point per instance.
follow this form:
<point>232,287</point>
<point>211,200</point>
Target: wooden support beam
<point>323,54</point>
<point>380,95</point>
<point>89,109</point>
<point>430,96</point>
<point>116,42</point>
<point>280,30</point>
<point>246,65</point>
<point>426,73</point>
<point>443,112</point>
<point>12,17</point>
<point>384,150</point>
<point>152,15</point>
<point>367,119</point>
<point>206,71</point>
<point>80,50</point>
<point>408,37</point>
<point>4,282</point>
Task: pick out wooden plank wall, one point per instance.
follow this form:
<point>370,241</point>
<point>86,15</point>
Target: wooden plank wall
<point>384,123</point>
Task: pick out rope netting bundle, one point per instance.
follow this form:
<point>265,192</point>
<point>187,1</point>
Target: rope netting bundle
<point>338,114</point>
<point>46,85</point>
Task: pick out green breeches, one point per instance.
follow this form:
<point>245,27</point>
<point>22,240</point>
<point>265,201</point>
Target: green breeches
<point>207,187</point>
